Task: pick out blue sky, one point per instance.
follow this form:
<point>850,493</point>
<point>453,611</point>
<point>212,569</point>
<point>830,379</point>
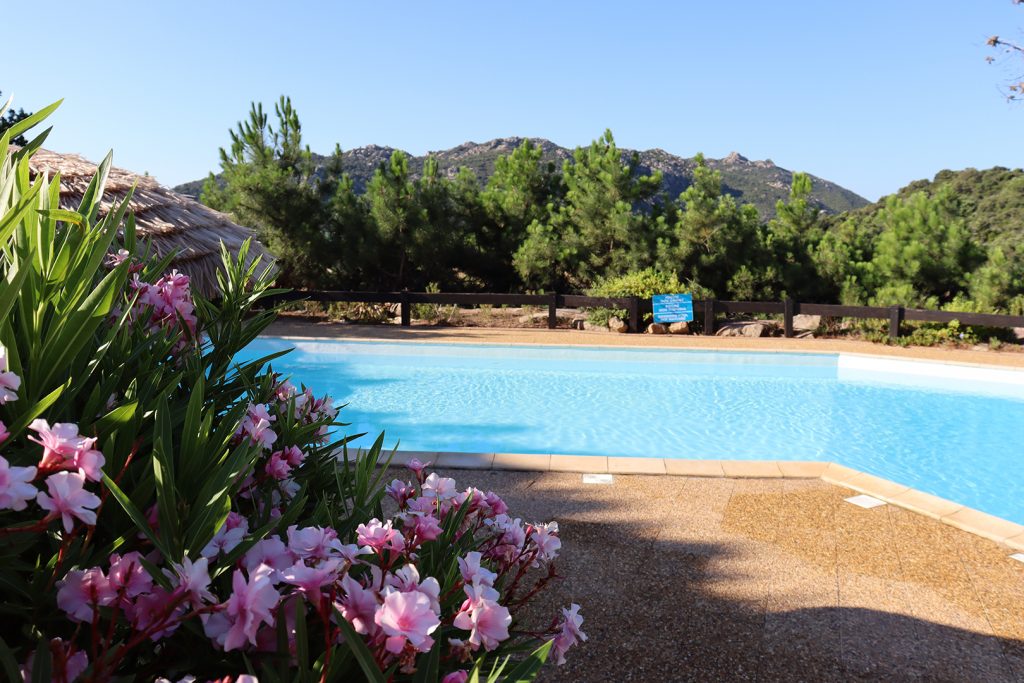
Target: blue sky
<point>871,94</point>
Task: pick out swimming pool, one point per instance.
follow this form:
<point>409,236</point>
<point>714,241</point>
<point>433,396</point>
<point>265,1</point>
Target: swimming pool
<point>953,431</point>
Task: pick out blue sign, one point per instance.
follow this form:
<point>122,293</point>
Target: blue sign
<point>672,308</point>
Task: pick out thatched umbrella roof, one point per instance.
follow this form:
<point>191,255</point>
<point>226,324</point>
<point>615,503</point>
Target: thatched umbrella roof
<point>168,220</point>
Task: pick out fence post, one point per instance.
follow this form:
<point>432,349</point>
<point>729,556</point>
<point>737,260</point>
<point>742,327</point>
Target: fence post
<point>634,314</point>
<point>553,310</point>
<point>895,320</point>
<point>406,310</point>
<point>787,317</point>
<point>709,316</point>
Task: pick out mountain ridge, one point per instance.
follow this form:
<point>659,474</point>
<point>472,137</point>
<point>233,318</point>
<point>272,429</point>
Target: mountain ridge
<point>758,182</point>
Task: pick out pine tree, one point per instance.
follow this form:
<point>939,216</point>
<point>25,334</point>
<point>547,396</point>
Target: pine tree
<point>594,231</point>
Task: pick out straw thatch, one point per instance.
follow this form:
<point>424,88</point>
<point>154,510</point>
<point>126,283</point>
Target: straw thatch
<point>168,220</point>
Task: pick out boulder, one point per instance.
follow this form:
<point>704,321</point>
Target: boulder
<point>1018,332</point>
<point>742,330</point>
<point>806,322</point>
<point>657,328</point>
<point>679,328</point>
<point>617,325</point>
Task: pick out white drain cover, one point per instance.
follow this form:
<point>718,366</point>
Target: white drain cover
<point>865,501</point>
<point>1017,556</point>
<point>597,478</point>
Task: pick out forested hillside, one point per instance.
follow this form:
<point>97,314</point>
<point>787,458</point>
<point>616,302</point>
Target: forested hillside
<point>590,219</point>
<point>760,183</point>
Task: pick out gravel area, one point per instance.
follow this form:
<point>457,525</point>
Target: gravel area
<point>694,579</point>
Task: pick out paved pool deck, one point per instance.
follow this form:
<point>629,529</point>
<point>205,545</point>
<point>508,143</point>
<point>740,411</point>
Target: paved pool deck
<point>722,579</point>
<point>294,326</point>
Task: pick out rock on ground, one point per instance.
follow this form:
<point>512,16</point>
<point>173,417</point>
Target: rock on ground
<point>679,328</point>
<point>617,325</point>
<point>806,322</point>
<point>657,328</point>
<point>742,330</point>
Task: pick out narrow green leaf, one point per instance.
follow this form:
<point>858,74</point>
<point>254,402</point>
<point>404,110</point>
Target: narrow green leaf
<point>527,670</point>
<point>137,517</point>
<point>358,648</point>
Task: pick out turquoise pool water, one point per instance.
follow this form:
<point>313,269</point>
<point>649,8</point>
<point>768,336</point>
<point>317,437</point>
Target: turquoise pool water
<point>956,437</point>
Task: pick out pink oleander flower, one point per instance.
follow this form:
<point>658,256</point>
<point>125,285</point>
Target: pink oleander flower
<point>4,434</point>
<point>358,605</point>
<point>250,605</point>
<point>379,536</point>
<point>68,499</point>
<point>473,573</point>
<point>441,488</point>
<point>310,580</point>
<point>545,536</point>
<point>407,617</point>
<point>270,551</point>
<point>417,467</point>
<point>313,542</point>
<point>407,579</point>
<point>277,466</point>
<point>426,527</point>
<point>154,615</point>
<point>80,593</point>
<point>65,448</point>
<point>481,615</point>
<point>256,426</point>
<point>228,537</point>
<point>400,492</point>
<point>293,455</point>
<point>9,382</point>
<point>422,505</point>
<point>460,676</point>
<point>494,504</point>
<point>68,662</point>
<point>16,487</point>
<point>284,391</point>
<point>114,259</point>
<point>351,552</point>
<point>569,634</point>
<point>193,578</point>
<point>128,575</point>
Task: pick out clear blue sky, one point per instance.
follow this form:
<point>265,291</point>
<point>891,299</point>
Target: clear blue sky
<point>870,94</point>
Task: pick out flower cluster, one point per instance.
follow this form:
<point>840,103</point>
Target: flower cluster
<point>374,582</point>
<point>165,306</point>
<point>68,460</point>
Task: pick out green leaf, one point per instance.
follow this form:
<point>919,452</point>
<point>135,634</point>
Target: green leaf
<point>427,670</point>
<point>28,122</point>
<point>138,518</point>
<point>358,648</point>
<point>527,670</point>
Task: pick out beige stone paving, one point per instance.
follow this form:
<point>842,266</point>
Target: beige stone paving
<point>699,579</point>
<point>293,326</point>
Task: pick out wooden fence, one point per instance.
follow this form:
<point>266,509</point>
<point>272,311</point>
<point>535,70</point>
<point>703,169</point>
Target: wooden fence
<point>636,307</point>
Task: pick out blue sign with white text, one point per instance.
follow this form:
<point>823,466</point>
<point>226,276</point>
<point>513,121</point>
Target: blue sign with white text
<point>672,308</point>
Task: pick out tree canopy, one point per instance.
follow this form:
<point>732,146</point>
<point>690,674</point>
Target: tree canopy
<point>533,226</point>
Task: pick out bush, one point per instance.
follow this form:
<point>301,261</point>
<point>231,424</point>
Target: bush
<point>644,284</point>
<point>166,510</point>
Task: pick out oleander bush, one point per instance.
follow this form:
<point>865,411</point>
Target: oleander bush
<point>168,512</point>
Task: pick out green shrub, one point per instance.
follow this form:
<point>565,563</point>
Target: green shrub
<point>644,284</point>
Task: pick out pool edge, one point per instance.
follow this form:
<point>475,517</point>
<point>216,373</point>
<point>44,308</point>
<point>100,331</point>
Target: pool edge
<point>1002,531</point>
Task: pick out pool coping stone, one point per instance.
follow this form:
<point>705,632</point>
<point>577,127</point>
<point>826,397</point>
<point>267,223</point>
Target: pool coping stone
<point>1002,531</point>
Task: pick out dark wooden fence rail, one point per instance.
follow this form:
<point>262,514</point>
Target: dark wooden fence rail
<point>636,307</point>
